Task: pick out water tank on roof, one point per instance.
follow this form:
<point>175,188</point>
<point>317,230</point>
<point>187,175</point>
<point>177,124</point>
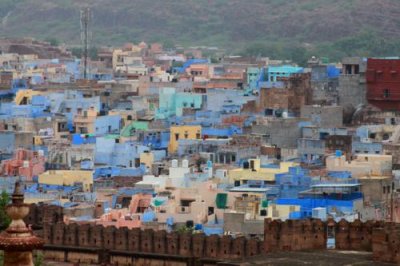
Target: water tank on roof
<point>174,163</point>
<point>185,163</point>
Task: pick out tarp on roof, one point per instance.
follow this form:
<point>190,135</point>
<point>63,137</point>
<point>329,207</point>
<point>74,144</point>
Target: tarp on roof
<point>190,62</point>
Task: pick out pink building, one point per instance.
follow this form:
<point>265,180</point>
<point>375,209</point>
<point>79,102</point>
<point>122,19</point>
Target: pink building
<point>131,217</point>
<point>24,163</point>
<point>120,218</point>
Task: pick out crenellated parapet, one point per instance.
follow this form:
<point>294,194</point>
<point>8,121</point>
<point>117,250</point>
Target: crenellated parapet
<point>98,244</point>
<point>383,239</point>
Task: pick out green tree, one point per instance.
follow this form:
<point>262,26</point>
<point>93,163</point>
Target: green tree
<point>38,258</point>
<point>184,229</point>
<point>4,219</point>
<point>168,44</point>
<point>92,52</point>
<point>77,52</point>
<point>53,41</point>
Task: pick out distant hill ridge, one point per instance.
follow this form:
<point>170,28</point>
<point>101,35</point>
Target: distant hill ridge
<point>251,26</point>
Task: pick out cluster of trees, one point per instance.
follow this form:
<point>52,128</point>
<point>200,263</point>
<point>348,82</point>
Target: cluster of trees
<point>364,44</point>
<point>4,219</point>
<point>78,52</point>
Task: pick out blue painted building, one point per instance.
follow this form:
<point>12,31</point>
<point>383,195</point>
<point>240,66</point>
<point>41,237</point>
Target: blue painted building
<point>275,72</point>
<point>109,124</point>
<point>109,152</point>
<point>19,84</point>
<point>79,139</point>
<point>118,171</point>
<point>292,183</point>
<point>188,63</point>
<point>359,147</point>
<point>173,103</point>
<point>340,198</point>
<point>224,132</point>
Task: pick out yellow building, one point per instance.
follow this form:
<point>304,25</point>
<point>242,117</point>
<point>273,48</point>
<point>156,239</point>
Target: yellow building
<point>127,116</point>
<point>24,97</point>
<point>68,178</point>
<point>147,158</point>
<point>182,132</point>
<point>256,172</point>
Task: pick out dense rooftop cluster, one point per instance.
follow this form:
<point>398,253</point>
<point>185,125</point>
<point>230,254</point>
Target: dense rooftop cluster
<point>157,139</point>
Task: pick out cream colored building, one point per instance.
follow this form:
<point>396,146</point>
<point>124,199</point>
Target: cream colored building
<point>68,178</point>
<point>363,165</point>
<point>256,172</point>
<point>281,211</point>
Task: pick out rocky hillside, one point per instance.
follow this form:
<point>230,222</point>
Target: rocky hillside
<point>335,28</point>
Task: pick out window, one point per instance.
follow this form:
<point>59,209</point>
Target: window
<point>176,136</point>
<point>384,190</point>
<point>137,162</point>
<point>210,210</point>
<point>386,93</point>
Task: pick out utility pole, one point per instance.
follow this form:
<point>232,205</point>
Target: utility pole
<point>85,35</point>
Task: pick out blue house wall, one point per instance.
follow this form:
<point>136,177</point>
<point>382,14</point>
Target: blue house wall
<point>293,182</point>
<point>118,171</point>
<point>110,153</point>
<point>307,204</point>
<point>221,132</point>
<point>155,140</point>
<point>79,139</point>
<point>107,124</point>
<point>367,147</point>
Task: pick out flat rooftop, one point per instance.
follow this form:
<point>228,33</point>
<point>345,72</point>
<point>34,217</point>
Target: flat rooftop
<point>335,185</point>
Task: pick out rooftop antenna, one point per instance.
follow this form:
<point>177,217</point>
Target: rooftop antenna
<point>85,36</point>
